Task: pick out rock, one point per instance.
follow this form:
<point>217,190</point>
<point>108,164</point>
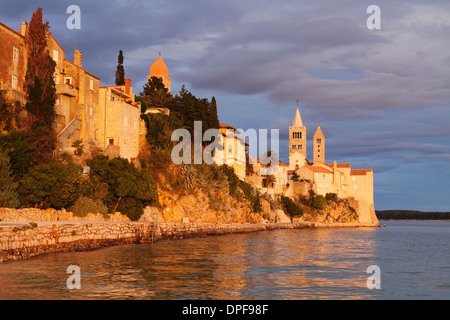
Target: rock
<point>282,217</point>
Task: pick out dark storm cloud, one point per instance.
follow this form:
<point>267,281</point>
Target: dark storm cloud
<point>382,97</point>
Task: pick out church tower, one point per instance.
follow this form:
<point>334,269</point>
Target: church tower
<point>319,146</point>
<point>159,69</point>
<point>297,143</point>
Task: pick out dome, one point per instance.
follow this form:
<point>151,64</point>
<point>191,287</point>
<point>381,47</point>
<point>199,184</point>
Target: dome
<point>159,68</point>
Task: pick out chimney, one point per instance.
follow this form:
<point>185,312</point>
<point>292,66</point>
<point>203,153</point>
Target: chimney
<point>77,58</point>
<point>128,86</point>
<point>24,29</point>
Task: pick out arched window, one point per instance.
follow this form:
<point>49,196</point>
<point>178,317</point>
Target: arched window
<point>297,167</point>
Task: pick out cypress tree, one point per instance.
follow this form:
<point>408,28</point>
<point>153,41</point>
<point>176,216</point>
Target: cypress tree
<point>120,72</point>
<point>214,118</point>
<point>39,82</point>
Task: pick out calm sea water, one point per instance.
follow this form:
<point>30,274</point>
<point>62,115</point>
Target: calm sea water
<point>413,257</point>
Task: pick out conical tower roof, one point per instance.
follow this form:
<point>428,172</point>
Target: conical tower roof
<point>159,68</point>
<point>319,133</point>
<point>297,120</point>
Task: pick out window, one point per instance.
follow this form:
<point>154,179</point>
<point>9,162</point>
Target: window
<point>111,141</point>
<point>300,147</point>
<point>91,84</point>
<point>113,98</point>
<point>14,82</point>
<point>297,167</point>
<point>68,80</point>
<point>230,149</point>
<point>55,55</point>
<point>15,54</point>
<point>319,141</point>
<point>294,147</point>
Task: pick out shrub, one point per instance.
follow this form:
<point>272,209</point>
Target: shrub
<point>233,180</point>
<point>130,190</point>
<point>54,185</point>
<point>319,202</point>
<point>331,197</point>
<point>85,205</point>
<point>252,195</point>
<point>290,207</point>
<point>19,151</point>
<point>8,188</point>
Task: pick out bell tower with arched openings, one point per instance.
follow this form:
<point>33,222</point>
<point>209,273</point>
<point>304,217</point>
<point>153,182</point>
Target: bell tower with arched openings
<point>297,143</point>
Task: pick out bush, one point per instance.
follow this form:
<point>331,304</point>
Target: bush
<point>252,195</point>
<point>19,151</point>
<point>54,185</point>
<point>233,180</point>
<point>9,197</point>
<point>319,202</point>
<point>331,197</point>
<point>85,205</point>
<point>290,207</point>
<point>130,190</point>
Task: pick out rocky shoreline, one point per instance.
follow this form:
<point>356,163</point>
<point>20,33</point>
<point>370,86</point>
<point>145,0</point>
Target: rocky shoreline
<point>20,241</point>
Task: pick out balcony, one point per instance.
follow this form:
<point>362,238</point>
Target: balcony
<point>66,89</point>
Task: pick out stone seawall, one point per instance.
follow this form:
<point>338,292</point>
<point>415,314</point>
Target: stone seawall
<point>17,243</point>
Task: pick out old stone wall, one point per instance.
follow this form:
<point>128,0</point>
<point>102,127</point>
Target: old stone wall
<point>18,243</point>
<point>35,215</point>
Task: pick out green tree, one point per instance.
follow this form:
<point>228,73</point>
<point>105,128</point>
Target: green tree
<point>42,139</point>
<point>159,130</point>
<point>55,185</point>
<point>39,81</point>
<point>8,187</point>
<point>290,207</point>
<point>212,111</point>
<point>156,94</point>
<point>120,71</point>
<point>129,190</point>
<point>7,114</point>
<point>16,146</point>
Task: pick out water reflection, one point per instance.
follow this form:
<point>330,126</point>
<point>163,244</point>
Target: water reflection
<point>282,264</point>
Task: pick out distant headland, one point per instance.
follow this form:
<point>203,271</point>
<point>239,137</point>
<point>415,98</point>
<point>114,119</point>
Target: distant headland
<point>411,215</point>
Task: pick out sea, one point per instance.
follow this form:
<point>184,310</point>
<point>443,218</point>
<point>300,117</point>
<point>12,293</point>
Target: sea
<point>405,260</point>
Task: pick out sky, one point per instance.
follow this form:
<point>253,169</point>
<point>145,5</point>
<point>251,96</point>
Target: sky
<point>381,97</point>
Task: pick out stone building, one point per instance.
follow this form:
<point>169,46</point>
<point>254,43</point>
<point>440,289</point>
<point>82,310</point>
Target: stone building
<point>297,143</point>
<point>13,63</point>
<point>106,117</point>
<point>120,116</point>
<point>234,149</point>
<point>323,177</point>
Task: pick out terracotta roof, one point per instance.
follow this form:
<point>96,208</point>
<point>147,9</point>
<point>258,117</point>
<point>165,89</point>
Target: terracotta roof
<point>159,68</point>
<point>339,165</point>
<point>283,164</point>
<point>290,172</point>
<point>317,169</point>
<point>359,172</point>
<point>319,133</point>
